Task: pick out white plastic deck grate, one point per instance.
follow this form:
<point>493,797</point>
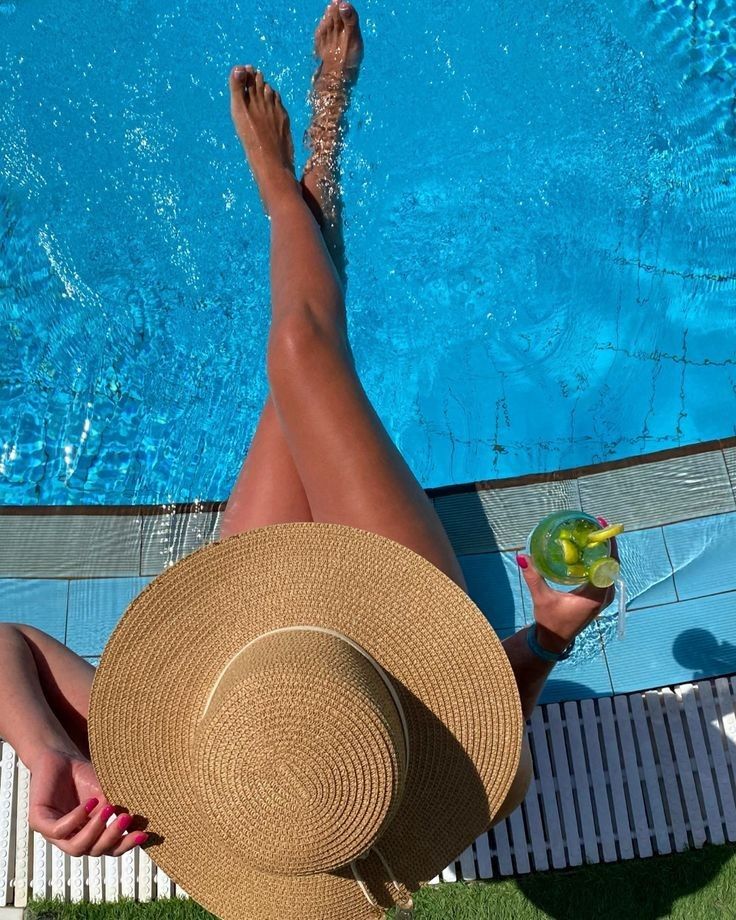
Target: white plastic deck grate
<point>614,778</point>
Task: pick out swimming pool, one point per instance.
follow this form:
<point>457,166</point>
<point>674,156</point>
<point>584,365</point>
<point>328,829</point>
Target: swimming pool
<point>540,211</point>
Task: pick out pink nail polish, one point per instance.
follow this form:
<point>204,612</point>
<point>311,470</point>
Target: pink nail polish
<point>124,822</point>
<point>603,522</point>
<point>140,839</point>
<point>106,812</point>
<point>90,805</point>
<point>521,562</point>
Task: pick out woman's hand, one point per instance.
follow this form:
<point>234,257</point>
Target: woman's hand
<point>68,806</point>
<point>562,615</point>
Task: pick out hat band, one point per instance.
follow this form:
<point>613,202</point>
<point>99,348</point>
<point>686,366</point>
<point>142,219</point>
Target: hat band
<point>404,908</point>
<point>330,632</point>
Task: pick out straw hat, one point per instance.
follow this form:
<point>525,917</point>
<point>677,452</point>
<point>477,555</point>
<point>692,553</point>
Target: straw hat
<point>314,719</point>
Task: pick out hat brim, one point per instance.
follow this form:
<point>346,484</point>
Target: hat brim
<point>448,666</point>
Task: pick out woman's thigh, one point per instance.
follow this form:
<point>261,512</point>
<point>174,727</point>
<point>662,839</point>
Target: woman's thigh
<point>351,470</point>
<point>268,489</point>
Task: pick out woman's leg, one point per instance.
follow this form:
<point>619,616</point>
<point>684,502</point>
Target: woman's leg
<point>268,489</point>
<point>351,471</point>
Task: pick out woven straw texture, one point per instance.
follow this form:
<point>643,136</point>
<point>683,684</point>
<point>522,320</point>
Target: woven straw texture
<point>161,742</point>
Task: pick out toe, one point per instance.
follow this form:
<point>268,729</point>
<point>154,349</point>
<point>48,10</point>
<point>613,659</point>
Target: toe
<point>347,12</point>
<point>334,15</point>
<point>237,78</point>
<point>250,78</point>
<point>280,106</point>
<point>237,85</point>
<point>326,16</point>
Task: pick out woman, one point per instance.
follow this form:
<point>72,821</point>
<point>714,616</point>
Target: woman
<point>316,424</point>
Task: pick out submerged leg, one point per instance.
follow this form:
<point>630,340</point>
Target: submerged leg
<point>338,46</point>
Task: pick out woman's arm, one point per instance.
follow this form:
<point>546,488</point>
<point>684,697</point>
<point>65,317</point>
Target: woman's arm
<point>44,689</point>
<point>44,699</point>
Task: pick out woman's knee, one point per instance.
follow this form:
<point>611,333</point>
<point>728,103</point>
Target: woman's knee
<point>301,337</point>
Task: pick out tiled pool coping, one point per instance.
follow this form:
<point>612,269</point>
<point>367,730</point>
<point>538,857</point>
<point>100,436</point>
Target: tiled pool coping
<point>73,570</point>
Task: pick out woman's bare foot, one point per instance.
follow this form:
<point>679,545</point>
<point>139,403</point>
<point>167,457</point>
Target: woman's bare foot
<point>338,44</point>
<point>262,125</point>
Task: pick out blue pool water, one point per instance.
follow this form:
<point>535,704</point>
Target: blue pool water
<point>540,206</point>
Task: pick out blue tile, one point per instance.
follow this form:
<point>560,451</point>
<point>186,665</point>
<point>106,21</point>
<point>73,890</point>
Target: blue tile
<point>673,643</point>
<point>95,606</point>
<point>494,584</point>
<point>703,554</point>
<point>646,568</point>
<point>661,592</point>
<point>39,602</point>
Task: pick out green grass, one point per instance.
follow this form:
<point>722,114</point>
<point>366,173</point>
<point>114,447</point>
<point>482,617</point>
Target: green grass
<point>698,885</point>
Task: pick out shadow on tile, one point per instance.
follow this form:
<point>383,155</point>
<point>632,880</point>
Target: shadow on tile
<point>495,586</point>
<point>557,691</point>
<point>701,652</point>
<point>673,643</point>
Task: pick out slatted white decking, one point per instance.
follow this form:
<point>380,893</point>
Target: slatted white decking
<point>615,778</point>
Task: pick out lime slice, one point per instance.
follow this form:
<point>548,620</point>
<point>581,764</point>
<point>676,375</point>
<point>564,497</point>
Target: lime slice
<point>570,552</point>
<point>576,571</point>
<point>600,536</point>
<point>603,572</point>
<point>565,534</point>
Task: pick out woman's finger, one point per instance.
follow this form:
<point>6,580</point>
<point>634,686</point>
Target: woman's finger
<point>112,836</point>
<point>46,820</point>
<point>134,839</point>
<point>538,587</point>
<point>83,842</point>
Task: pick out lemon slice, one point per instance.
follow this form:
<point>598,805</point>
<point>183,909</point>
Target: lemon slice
<point>603,572</point>
<point>570,552</point>
<point>577,570</point>
<point>600,536</point>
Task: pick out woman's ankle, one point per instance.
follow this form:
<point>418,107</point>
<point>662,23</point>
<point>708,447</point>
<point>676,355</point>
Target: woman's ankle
<point>281,190</point>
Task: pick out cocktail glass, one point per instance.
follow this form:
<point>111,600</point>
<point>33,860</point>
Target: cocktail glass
<point>571,548</point>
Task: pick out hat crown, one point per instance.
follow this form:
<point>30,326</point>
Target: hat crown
<point>299,756</point>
